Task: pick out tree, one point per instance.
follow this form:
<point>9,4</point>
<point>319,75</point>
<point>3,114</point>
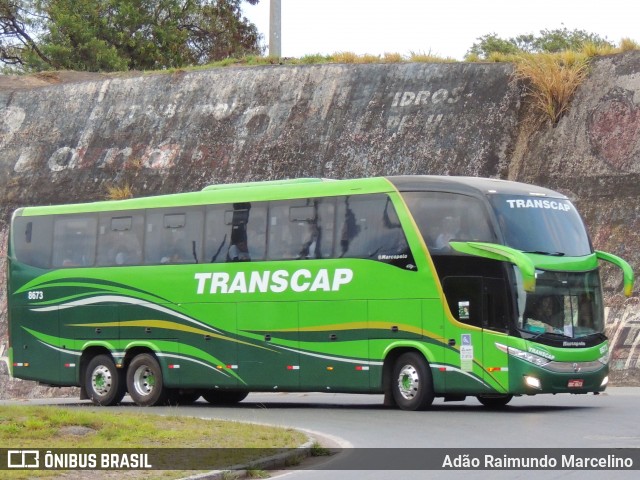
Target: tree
<point>111,35</point>
<point>549,41</point>
<point>18,26</point>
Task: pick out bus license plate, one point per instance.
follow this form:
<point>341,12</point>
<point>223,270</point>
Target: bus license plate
<point>575,383</point>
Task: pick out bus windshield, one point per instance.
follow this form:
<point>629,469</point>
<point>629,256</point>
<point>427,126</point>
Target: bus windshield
<point>548,226</point>
<point>564,304</point>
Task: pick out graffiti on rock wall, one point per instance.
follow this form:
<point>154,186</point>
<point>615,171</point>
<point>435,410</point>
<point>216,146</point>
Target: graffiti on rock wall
<point>614,129</point>
<point>405,101</point>
<point>623,330</point>
<point>408,109</point>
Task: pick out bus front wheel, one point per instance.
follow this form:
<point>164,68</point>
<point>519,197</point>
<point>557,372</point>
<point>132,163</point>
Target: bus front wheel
<point>103,382</point>
<point>144,381</point>
<point>411,382</point>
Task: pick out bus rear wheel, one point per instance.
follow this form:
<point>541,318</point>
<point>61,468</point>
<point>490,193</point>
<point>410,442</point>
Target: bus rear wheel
<point>411,382</point>
<point>144,381</point>
<point>224,397</point>
<point>494,401</point>
<point>103,382</point>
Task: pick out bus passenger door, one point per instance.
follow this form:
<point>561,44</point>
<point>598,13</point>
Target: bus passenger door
<point>463,335</point>
<point>268,356</point>
<point>496,324</point>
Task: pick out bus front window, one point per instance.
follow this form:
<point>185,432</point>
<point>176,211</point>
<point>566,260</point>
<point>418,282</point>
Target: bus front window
<point>563,304</point>
<point>548,226</point>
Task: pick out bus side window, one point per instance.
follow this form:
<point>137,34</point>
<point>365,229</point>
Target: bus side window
<point>217,234</point>
<point>444,216</point>
<point>301,229</point>
<point>32,238</point>
<point>120,238</point>
<point>368,227</point>
<point>257,231</point>
<point>174,236</point>
<point>74,241</point>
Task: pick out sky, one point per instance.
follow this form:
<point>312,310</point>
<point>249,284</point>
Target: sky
<point>446,28</point>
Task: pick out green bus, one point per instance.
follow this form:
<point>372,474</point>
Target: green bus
<point>412,286</point>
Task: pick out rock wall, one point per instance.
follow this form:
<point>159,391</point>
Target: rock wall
<point>178,132</point>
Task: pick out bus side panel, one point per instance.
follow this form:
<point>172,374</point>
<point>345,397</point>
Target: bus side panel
<point>36,344</point>
<point>334,349</point>
<point>496,362</point>
<point>433,341</point>
<point>268,358</point>
<point>390,321</point>
<point>209,354</point>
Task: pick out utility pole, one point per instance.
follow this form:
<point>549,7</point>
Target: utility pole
<point>275,27</point>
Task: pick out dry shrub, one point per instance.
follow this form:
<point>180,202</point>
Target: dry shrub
<point>552,80</point>
<point>119,193</point>
<point>344,57</point>
<point>390,57</point>
<point>422,57</point>
<point>627,45</point>
<point>595,50</point>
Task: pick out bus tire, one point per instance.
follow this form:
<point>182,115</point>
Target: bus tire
<point>494,401</point>
<point>103,382</point>
<point>144,381</point>
<point>411,382</point>
<point>224,397</point>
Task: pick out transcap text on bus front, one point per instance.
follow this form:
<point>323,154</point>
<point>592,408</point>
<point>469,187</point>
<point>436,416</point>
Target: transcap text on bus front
<point>537,203</point>
<point>301,280</point>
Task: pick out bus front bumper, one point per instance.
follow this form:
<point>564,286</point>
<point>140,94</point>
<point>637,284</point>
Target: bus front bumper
<point>557,377</point>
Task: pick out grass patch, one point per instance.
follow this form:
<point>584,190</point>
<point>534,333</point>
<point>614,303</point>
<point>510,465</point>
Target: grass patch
<point>552,80</point>
<point>318,450</point>
<point>55,427</point>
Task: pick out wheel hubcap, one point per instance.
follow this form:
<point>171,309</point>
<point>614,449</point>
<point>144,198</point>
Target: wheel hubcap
<point>101,380</point>
<point>408,382</point>
<point>144,380</point>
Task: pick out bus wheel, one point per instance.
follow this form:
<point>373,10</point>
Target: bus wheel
<point>494,401</point>
<point>144,381</point>
<point>411,382</point>
<point>103,382</point>
<point>224,397</point>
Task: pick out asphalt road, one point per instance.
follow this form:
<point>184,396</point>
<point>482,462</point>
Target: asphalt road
<point>609,420</point>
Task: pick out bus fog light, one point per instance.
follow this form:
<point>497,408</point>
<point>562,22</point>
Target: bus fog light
<point>605,381</point>
<point>532,382</point>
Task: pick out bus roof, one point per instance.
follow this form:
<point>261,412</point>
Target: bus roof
<point>299,188</point>
<point>468,185</point>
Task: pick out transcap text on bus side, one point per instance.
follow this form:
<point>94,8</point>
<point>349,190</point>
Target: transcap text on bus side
<point>278,281</point>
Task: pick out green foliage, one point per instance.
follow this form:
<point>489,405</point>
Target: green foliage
<point>491,43</point>
<point>118,35</point>
<point>548,41</point>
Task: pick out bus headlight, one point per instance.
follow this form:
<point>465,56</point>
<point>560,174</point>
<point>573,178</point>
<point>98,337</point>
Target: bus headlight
<point>526,356</point>
<point>604,359</point>
<point>533,382</point>
<point>605,380</point>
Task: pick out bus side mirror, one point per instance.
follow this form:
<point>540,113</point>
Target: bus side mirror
<point>627,271</point>
<point>503,254</point>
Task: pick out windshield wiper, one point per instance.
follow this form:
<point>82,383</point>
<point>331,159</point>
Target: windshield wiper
<point>550,254</point>
<point>535,336</point>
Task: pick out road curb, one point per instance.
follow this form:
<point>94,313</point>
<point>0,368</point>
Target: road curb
<point>280,461</point>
